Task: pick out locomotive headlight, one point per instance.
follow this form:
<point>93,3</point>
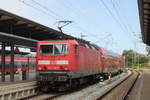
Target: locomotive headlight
<point>39,68</point>
<point>44,62</point>
<point>66,68</point>
<point>62,62</point>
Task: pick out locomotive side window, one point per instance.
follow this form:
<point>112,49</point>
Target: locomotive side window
<point>93,48</point>
<point>46,49</point>
<point>87,46</point>
<point>76,49</point>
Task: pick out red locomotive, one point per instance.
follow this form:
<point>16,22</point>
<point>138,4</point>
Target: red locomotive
<point>69,63</point>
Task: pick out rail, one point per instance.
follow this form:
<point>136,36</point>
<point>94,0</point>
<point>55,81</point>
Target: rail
<point>123,88</point>
<point>131,86</point>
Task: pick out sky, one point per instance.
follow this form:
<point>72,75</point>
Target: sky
<point>112,24</point>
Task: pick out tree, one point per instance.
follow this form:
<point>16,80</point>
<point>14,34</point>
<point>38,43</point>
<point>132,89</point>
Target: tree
<point>130,54</point>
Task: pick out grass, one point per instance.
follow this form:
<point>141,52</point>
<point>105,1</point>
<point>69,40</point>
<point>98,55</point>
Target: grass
<point>141,66</point>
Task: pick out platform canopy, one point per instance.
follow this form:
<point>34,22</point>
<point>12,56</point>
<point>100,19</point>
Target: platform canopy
<point>144,13</point>
<point>25,32</point>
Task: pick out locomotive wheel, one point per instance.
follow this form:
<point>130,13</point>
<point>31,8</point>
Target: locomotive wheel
<point>75,84</point>
<point>64,87</point>
<point>61,89</point>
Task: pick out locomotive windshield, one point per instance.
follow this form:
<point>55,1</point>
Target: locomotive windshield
<point>54,49</point>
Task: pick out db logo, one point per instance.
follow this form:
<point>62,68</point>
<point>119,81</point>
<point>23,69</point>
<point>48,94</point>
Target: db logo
<point>53,62</point>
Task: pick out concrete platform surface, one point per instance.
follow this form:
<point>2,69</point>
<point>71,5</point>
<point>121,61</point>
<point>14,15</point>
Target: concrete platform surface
<point>141,90</point>
<point>18,78</point>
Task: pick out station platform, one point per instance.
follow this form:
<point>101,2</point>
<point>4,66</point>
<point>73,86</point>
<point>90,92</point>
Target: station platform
<point>141,89</point>
<point>31,75</point>
<point>18,89</point>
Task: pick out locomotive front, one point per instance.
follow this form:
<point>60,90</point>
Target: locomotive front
<point>54,62</point>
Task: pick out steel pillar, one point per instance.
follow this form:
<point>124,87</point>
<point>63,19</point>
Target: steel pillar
<point>28,65</point>
<point>3,62</point>
<point>12,63</point>
<point>24,75</point>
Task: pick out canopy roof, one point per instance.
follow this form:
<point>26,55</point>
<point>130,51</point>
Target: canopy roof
<point>144,13</point>
<point>20,27</point>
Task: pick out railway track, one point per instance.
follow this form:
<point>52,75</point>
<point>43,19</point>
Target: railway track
<point>109,89</point>
<point>123,88</point>
<point>129,90</point>
<point>98,91</point>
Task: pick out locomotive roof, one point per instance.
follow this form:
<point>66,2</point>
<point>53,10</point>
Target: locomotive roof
<point>108,53</point>
<point>91,45</point>
<point>81,42</point>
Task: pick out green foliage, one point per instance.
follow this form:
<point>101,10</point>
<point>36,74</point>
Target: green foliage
<point>141,66</point>
<point>141,60</point>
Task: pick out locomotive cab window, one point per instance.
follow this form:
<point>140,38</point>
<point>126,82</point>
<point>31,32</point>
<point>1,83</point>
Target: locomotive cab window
<point>54,49</point>
<point>60,49</point>
<point>46,49</point>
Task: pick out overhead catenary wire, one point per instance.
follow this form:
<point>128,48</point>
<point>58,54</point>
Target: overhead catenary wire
<point>47,9</point>
<point>50,11</point>
<point>77,25</point>
<point>54,15</point>
<point>127,25</point>
<point>85,31</point>
<point>119,17</point>
<point>112,15</point>
<point>124,15</point>
<point>38,9</point>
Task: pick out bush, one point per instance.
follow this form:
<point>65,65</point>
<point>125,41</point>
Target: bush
<point>141,66</point>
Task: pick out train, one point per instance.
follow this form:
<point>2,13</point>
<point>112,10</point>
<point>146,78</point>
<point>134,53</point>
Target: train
<point>22,62</point>
<point>63,64</point>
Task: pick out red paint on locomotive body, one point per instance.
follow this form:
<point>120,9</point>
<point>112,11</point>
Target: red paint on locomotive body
<point>87,59</point>
<point>54,62</point>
